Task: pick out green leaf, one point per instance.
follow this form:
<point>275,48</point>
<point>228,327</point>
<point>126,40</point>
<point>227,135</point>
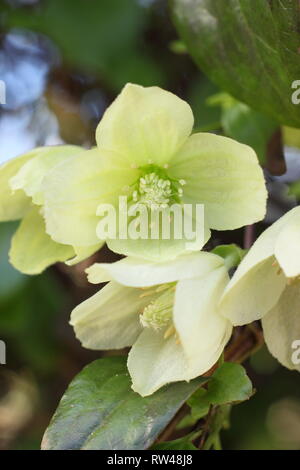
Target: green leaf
<point>247,47</point>
<point>232,254</point>
<point>100,411</point>
<point>220,420</point>
<point>245,125</point>
<point>183,443</point>
<point>229,384</point>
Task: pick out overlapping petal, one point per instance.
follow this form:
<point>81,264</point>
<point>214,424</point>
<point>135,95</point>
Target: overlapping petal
<point>282,327</point>
<point>137,272</point>
<point>13,204</point>
<point>201,330</point>
<point>199,333</point>
<point>287,246</point>
<point>201,336</point>
<point>225,176</point>
<point>73,191</point>
<point>249,297</point>
<point>32,250</point>
<point>154,361</point>
<point>160,249</point>
<point>144,125</point>
<point>258,281</point>
<point>110,318</point>
<point>30,176</point>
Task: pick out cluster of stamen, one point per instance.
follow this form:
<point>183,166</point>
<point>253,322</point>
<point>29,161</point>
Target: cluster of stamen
<point>158,314</point>
<point>156,191</point>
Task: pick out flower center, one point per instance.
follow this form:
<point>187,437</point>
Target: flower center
<point>158,314</point>
<point>156,190</point>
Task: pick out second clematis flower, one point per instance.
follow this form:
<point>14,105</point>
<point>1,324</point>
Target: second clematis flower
<point>21,198</point>
<point>167,312</point>
<point>146,154</point>
<point>266,286</point>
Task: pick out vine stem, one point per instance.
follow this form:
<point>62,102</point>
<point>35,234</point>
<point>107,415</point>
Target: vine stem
<point>249,236</point>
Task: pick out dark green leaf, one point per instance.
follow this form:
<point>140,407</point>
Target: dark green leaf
<point>250,48</point>
<point>100,411</point>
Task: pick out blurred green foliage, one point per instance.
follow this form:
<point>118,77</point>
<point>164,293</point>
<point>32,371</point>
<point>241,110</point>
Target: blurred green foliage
<point>242,123</point>
<point>98,37</point>
<point>10,279</point>
<point>111,42</point>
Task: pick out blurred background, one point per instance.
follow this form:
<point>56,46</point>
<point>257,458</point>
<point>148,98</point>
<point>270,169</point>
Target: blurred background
<point>63,62</point>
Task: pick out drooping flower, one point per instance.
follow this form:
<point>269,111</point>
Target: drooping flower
<point>166,311</point>
<point>146,153</point>
<point>21,197</point>
<point>266,286</point>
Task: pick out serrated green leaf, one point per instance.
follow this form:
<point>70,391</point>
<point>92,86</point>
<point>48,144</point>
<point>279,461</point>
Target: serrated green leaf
<point>100,411</point>
<point>229,384</point>
<point>248,47</point>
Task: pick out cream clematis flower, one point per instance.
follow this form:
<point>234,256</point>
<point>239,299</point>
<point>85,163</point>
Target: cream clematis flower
<point>21,198</point>
<point>145,152</point>
<point>167,312</point>
<point>266,286</point>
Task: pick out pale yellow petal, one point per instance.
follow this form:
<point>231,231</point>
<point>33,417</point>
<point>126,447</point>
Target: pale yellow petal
<point>110,318</point>
<point>287,247</point>
<point>32,250</point>
<point>155,361</point>
<point>13,204</point>
<point>258,281</point>
<point>73,191</point>
<point>136,272</point>
<point>201,329</point>
<point>281,328</point>
<point>145,125</point>
<point>225,176</point>
<point>30,176</point>
<point>252,295</point>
